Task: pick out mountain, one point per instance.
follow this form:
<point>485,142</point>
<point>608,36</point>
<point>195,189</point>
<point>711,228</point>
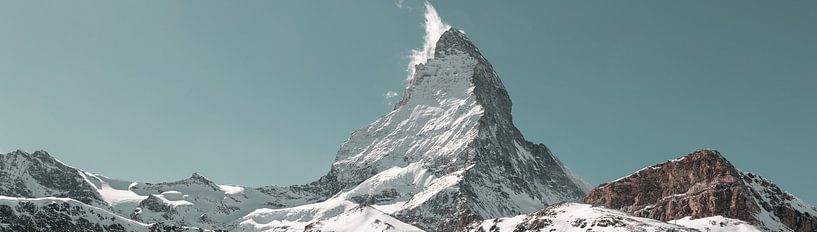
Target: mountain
<point>40,175</point>
<point>446,156</point>
<point>194,202</point>
<point>701,191</point>
<point>60,214</point>
<point>69,215</point>
<point>704,184</point>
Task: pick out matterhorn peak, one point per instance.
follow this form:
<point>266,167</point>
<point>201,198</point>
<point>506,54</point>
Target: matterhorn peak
<point>454,40</point>
<point>456,73</point>
<point>450,139</point>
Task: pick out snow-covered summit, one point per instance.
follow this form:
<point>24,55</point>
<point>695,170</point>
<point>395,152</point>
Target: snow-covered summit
<point>39,174</point>
<point>450,139</point>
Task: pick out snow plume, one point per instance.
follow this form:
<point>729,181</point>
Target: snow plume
<point>434,29</point>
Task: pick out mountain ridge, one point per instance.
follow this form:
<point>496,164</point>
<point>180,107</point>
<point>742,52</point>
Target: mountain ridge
<point>704,184</point>
<point>447,157</point>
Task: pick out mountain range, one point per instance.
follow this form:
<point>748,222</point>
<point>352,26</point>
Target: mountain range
<point>446,158</point>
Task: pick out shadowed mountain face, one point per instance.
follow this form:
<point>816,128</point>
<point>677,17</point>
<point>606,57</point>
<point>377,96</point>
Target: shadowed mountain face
<point>40,175</point>
<point>705,184</point>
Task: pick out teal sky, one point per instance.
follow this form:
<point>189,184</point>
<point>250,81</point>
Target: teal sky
<point>264,92</point>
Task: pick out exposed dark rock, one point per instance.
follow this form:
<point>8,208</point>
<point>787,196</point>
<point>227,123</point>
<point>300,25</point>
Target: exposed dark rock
<point>51,178</point>
<point>701,184</point>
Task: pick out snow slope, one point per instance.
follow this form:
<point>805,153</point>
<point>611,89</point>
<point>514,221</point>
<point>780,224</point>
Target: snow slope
<point>716,224</point>
<point>773,203</point>
<point>361,218</point>
<point>32,214</point>
<point>195,201</point>
<point>570,217</point>
<point>331,215</point>
<point>390,191</point>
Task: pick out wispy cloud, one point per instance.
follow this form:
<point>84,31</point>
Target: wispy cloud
<point>435,27</point>
<point>390,94</point>
<point>399,4</point>
<point>390,98</point>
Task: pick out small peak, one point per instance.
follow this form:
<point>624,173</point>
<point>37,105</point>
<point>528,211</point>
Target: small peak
<point>155,203</point>
<point>453,34</point>
<point>18,152</point>
<point>705,153</point>
<point>37,154</point>
<point>454,40</point>
<point>701,154</point>
<point>41,154</point>
<point>196,177</point>
<point>708,151</point>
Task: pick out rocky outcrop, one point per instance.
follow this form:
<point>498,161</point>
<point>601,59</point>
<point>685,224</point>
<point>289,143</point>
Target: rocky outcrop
<point>40,175</point>
<point>780,205</point>
<point>704,184</point>
<point>60,214</point>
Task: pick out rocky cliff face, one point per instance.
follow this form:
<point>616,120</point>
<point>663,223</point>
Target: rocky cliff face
<point>704,184</point>
<point>69,215</point>
<point>40,175</point>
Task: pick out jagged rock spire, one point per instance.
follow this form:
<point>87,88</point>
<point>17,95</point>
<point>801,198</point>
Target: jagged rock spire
<point>455,41</point>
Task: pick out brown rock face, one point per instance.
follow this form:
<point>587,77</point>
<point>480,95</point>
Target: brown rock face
<point>704,184</point>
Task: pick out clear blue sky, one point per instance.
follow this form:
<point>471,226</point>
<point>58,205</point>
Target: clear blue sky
<point>264,92</point>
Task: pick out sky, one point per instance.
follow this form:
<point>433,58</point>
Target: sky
<point>264,92</point>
